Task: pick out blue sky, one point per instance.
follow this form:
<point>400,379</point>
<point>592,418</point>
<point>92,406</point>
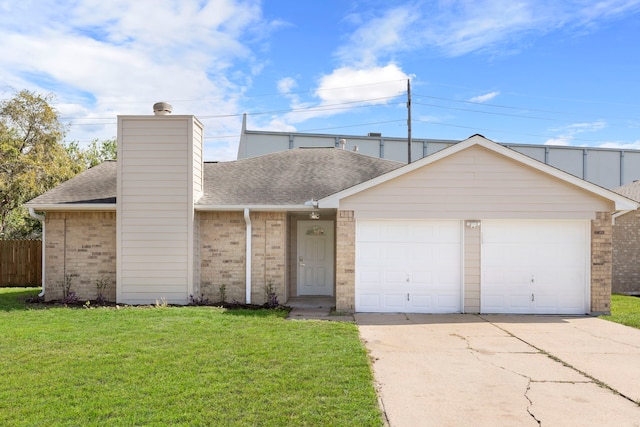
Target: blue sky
<point>520,71</point>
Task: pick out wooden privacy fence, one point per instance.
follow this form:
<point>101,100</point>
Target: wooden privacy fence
<point>20,262</point>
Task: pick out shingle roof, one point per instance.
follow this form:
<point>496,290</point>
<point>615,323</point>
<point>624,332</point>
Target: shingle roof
<point>289,177</point>
<point>286,178</point>
<point>631,190</point>
<point>93,186</point>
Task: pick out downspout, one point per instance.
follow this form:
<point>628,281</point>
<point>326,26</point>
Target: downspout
<point>40,218</point>
<point>247,221</point>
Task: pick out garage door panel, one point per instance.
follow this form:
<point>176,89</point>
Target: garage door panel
<point>546,303</point>
<point>395,277</point>
<point>537,267</point>
<point>369,254</point>
<point>422,302</point>
<point>422,277</point>
<point>417,263</point>
<point>370,277</point>
<point>449,279</point>
<point>369,300</point>
<point>448,303</point>
<point>518,303</point>
<point>493,302</point>
<point>382,302</point>
<point>393,301</point>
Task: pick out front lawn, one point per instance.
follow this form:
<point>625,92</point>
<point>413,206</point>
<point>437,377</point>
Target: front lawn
<point>179,366</point>
<point>625,309</point>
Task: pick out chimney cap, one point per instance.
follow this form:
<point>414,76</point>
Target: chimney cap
<point>162,108</point>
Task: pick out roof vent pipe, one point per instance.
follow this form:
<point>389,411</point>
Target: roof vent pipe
<point>162,108</point>
<point>343,143</point>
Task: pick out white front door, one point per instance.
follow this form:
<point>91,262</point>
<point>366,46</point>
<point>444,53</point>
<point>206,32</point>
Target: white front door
<point>535,267</point>
<point>315,257</point>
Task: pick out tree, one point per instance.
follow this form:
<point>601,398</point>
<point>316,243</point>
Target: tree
<point>99,151</point>
<point>33,158</point>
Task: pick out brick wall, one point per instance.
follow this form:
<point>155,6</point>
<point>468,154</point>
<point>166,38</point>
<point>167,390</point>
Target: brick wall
<point>601,263</point>
<point>269,255</point>
<point>223,249</point>
<point>89,256</point>
<point>197,262</point>
<point>626,254</point>
<point>222,254</point>
<point>345,261</point>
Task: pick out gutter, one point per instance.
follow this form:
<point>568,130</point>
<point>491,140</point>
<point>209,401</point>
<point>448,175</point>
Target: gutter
<point>40,218</point>
<point>254,208</point>
<point>618,214</point>
<point>247,221</point>
<point>73,206</point>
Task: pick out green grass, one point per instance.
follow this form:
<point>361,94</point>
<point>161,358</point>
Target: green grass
<point>178,366</point>
<point>625,309</point>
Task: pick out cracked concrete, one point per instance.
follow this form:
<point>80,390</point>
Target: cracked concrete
<point>463,370</point>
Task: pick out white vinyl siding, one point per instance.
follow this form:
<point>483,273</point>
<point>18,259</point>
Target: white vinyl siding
<point>197,161</point>
<point>156,185</point>
<point>475,183</point>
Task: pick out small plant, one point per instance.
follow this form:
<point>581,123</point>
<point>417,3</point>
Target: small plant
<point>34,299</point>
<point>222,291</point>
<point>66,286</point>
<point>68,296</point>
<point>201,300</point>
<point>162,303</point>
<point>271,298</point>
<point>101,286</point>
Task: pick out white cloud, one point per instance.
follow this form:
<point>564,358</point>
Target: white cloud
<point>459,27</point>
<point>561,141</point>
<point>486,97</point>
<point>347,84</point>
<point>348,87</point>
<point>577,128</point>
<point>621,145</point>
<point>286,84</point>
<point>379,35</point>
<point>275,125</point>
<point>569,132</point>
<point>119,57</point>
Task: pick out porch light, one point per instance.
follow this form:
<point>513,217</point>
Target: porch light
<point>314,204</point>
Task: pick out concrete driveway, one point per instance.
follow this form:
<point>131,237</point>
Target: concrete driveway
<point>498,370</point>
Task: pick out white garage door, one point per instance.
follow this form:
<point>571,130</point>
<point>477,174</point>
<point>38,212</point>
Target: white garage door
<point>536,267</point>
<point>408,266</point>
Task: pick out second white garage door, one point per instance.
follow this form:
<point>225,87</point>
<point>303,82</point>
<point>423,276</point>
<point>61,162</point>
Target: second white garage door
<point>408,266</point>
<point>534,267</point>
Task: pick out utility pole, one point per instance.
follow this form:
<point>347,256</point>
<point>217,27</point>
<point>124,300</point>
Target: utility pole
<point>409,120</point>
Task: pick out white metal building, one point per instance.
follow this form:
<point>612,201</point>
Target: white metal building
<point>607,167</point>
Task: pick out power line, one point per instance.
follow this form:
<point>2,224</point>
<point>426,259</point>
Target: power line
<point>353,126</point>
<point>525,95</point>
<point>475,128</point>
<point>259,95</point>
<point>491,112</point>
<point>520,108</point>
<point>317,108</point>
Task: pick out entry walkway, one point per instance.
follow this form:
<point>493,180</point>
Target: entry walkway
<point>469,370</point>
<point>316,308</point>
